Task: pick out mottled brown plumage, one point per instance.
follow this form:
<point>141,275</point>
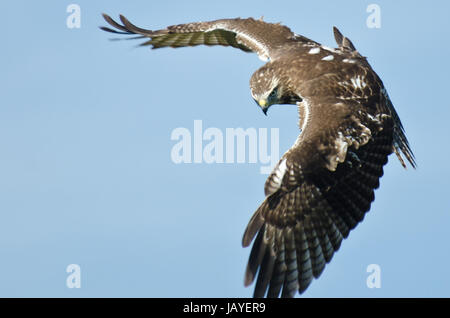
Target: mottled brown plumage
<point>322,186</point>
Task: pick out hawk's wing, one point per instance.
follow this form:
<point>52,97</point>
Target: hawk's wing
<point>249,35</point>
<point>318,192</point>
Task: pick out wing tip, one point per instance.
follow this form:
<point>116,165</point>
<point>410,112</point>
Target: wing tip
<point>249,277</point>
<point>105,16</point>
<point>342,41</point>
<point>254,225</point>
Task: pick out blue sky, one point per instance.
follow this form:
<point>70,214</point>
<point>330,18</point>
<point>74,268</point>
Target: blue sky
<point>86,175</point>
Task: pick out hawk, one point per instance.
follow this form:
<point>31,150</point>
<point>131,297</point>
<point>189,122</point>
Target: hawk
<point>324,184</point>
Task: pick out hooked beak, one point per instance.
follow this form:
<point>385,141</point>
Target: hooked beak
<point>263,104</point>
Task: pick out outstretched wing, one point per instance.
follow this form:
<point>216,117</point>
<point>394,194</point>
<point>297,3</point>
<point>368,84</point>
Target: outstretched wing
<point>249,35</point>
<point>319,191</point>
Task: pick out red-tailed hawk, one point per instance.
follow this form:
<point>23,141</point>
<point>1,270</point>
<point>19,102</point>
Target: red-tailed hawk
<point>324,184</point>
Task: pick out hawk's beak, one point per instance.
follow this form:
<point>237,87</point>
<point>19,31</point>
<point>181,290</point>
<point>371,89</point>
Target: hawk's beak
<point>263,104</point>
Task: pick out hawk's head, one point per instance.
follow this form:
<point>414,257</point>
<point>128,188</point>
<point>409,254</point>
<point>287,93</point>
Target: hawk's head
<point>267,88</point>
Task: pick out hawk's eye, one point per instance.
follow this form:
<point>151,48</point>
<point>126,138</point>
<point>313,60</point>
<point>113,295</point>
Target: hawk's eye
<point>273,94</point>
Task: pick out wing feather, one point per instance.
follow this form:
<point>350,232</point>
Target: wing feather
<point>303,259</point>
<point>249,35</point>
<point>291,284</point>
<point>321,228</point>
<point>279,272</point>
<point>265,273</point>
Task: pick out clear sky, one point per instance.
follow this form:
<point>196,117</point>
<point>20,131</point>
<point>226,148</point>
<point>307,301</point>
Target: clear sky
<point>87,176</point>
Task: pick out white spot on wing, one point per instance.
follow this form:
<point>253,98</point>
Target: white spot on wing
<point>314,50</point>
<point>328,58</point>
<point>329,49</point>
<point>358,82</point>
